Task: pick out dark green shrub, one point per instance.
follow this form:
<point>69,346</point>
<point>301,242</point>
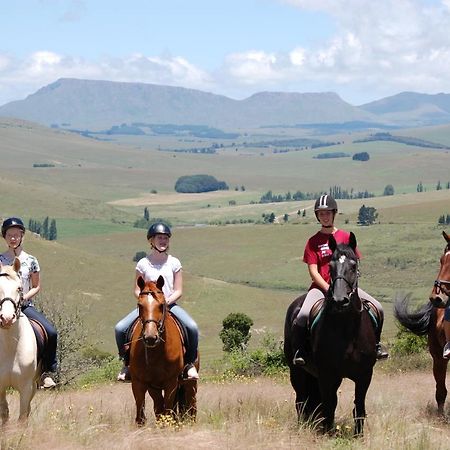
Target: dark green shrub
<point>235,333</point>
<point>407,343</point>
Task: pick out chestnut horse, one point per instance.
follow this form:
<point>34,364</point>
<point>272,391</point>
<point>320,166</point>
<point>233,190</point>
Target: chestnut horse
<point>19,367</point>
<point>156,358</point>
<point>429,320</point>
<point>342,344</point>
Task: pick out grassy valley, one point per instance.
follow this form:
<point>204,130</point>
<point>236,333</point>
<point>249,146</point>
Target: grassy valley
<point>98,189</point>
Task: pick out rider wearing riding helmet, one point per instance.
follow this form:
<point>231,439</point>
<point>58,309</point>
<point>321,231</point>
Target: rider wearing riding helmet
<point>13,231</point>
<point>317,255</point>
<point>160,262</point>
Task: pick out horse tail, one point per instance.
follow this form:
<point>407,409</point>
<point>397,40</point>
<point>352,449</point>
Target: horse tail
<point>418,322</point>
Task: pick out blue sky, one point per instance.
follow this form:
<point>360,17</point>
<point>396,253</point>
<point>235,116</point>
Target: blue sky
<point>361,49</point>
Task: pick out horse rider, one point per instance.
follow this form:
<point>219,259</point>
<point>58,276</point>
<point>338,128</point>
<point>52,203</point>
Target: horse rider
<point>317,255</point>
<point>160,262</point>
<point>13,231</point>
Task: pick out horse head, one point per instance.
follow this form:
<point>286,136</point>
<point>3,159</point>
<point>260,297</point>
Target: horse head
<point>344,273</point>
<point>10,294</point>
<point>152,310</point>
<point>440,294</point>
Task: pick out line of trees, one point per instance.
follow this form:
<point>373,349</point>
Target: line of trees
<point>46,229</point>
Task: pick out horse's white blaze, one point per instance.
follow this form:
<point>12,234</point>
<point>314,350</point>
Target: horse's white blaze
<point>342,259</point>
<point>18,350</point>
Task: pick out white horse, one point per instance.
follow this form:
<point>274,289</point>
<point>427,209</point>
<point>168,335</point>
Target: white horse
<point>18,348</point>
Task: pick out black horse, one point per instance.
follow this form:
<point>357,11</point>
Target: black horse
<point>342,344</point>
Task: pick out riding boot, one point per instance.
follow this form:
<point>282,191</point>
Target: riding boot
<point>381,351</point>
<point>298,342</point>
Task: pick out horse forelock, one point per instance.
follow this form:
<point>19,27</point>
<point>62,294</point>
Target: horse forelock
<point>343,250</point>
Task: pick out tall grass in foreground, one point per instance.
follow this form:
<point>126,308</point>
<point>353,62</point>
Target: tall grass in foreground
<point>237,413</point>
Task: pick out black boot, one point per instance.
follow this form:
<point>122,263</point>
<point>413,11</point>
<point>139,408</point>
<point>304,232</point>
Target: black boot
<point>298,342</point>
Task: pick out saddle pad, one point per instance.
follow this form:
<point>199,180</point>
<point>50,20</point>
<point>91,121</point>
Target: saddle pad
<point>41,336</point>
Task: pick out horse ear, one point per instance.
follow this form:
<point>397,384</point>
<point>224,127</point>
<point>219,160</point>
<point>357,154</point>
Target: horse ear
<point>446,236</point>
<point>332,243</point>
<point>16,264</point>
<point>141,283</point>
<point>352,240</point>
<point>160,282</point>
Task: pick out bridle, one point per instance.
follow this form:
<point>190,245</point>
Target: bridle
<point>159,323</point>
<point>16,303</point>
<point>353,285</point>
<point>443,285</point>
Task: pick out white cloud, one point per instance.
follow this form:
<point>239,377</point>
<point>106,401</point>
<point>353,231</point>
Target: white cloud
<point>378,48</point>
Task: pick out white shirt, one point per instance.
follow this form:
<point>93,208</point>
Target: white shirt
<point>151,272</point>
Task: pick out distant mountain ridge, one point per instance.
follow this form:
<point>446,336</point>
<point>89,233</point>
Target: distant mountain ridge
<point>96,105</point>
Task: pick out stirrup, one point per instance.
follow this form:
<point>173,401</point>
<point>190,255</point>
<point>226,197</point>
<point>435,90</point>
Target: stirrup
<point>47,381</point>
<point>190,372</point>
<point>446,352</point>
<point>124,374</point>
<point>298,360</point>
<point>383,354</point>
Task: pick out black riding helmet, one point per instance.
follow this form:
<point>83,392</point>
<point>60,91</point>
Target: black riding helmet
<point>158,228</point>
<point>10,223</point>
<point>325,203</point>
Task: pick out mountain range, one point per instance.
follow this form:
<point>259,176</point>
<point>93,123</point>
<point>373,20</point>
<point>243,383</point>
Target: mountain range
<point>98,105</point>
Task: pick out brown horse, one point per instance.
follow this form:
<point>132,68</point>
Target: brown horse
<point>429,320</point>
<point>156,358</point>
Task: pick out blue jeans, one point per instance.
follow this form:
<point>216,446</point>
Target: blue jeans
<point>122,327</point>
<point>447,314</point>
<point>49,362</point>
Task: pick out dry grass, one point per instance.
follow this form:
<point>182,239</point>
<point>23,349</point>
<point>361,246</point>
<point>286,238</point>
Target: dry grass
<point>256,413</point>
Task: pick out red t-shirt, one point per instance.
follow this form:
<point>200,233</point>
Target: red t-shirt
<point>318,252</point>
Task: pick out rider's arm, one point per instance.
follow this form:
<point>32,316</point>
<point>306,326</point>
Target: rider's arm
<point>317,278</point>
<point>137,289</point>
<point>177,288</point>
<point>35,286</point>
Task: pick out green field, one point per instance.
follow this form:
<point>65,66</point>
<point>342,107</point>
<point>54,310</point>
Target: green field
<point>98,189</point>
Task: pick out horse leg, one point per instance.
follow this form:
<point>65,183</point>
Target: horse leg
<point>439,372</point>
<point>139,390</point>
<point>27,392</point>
<point>4,409</point>
<point>328,391</point>
<point>359,411</point>
<point>158,402</point>
<point>186,400</point>
<point>170,394</point>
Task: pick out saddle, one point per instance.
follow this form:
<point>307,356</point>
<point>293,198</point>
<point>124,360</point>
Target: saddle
<point>41,337</point>
<point>371,309</point>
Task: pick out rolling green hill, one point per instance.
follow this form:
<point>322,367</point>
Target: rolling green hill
<point>96,190</point>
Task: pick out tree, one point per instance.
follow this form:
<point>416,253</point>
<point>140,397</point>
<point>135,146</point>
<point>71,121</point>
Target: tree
<point>367,215</point>
<point>45,228</point>
<point>389,190</point>
<point>139,255</point>
<point>363,156</point>
<point>146,214</point>
<point>235,333</point>
<point>52,232</point>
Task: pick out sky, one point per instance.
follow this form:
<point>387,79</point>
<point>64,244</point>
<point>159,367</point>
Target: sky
<point>363,50</point>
